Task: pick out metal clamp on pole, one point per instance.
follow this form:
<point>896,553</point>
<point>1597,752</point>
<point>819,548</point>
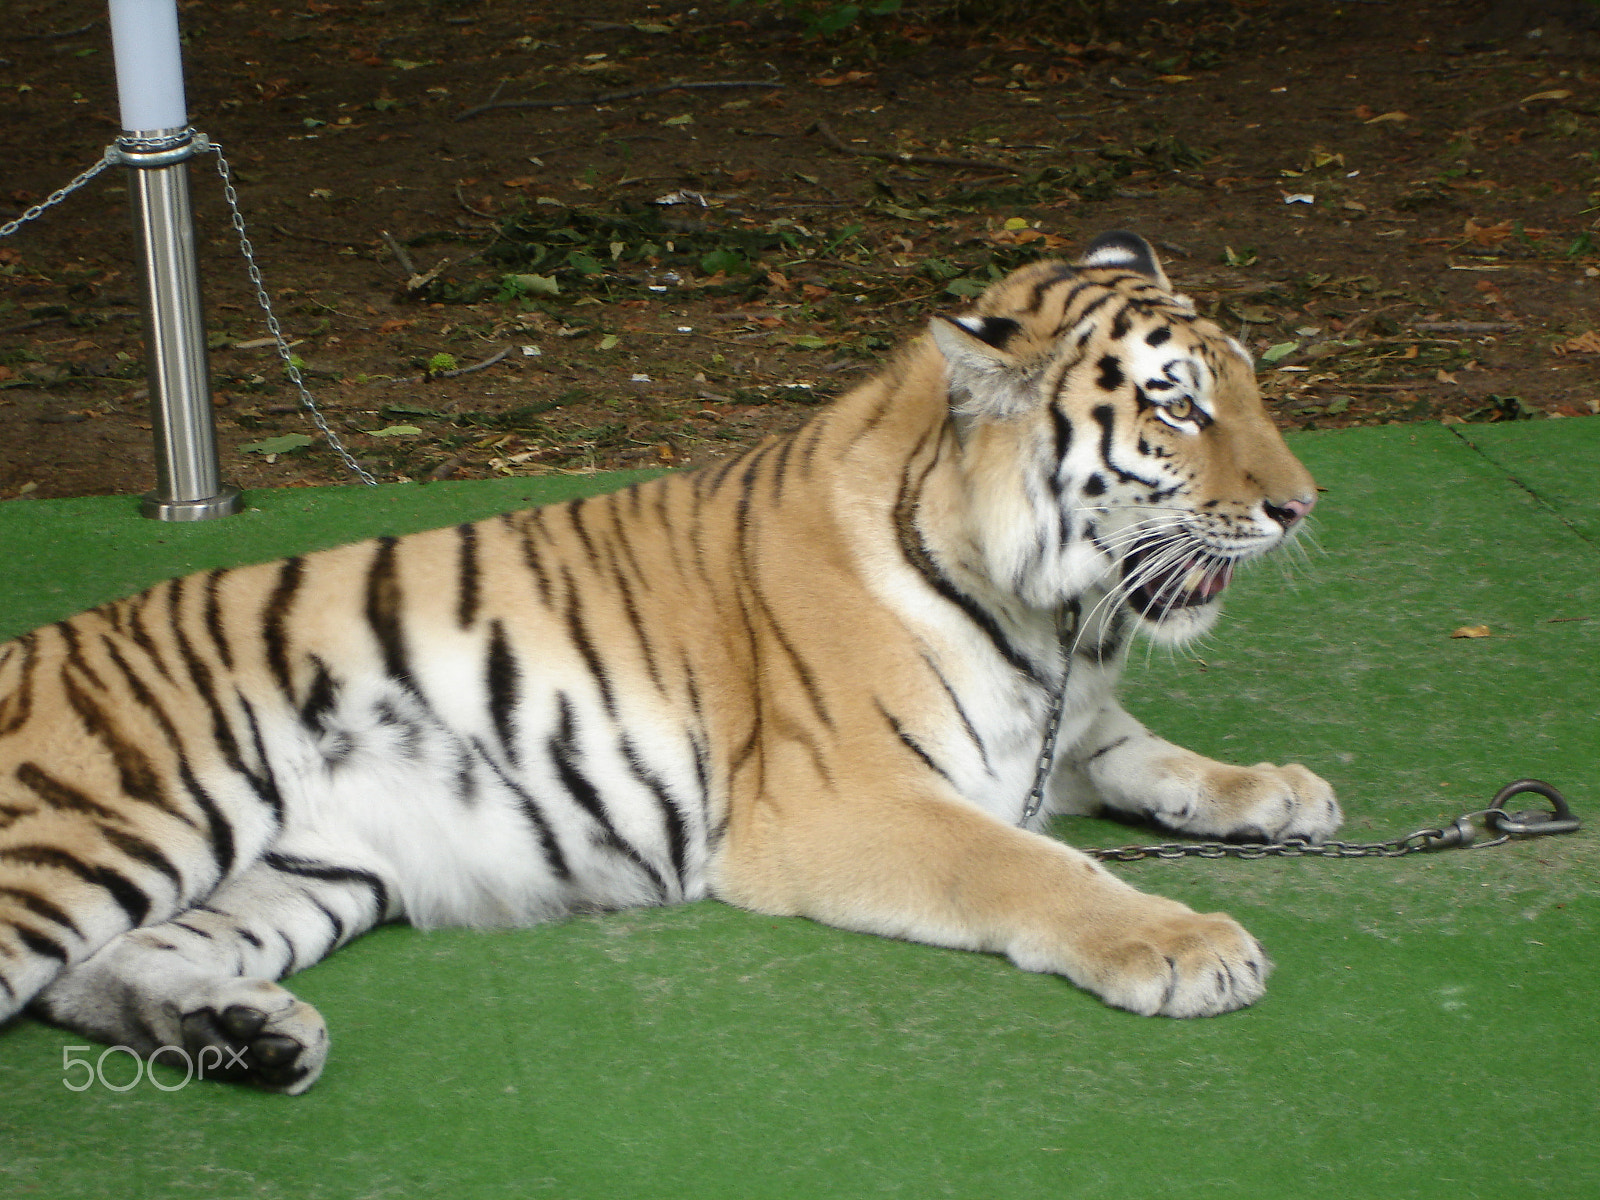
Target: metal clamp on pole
<point>155,146</point>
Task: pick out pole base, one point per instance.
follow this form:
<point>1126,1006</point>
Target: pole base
<point>224,504</point>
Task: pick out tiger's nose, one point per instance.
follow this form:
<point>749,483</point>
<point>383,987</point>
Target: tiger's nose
<point>1287,512</point>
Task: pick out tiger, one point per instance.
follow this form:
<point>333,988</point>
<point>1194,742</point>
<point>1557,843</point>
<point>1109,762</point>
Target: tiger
<point>848,675</point>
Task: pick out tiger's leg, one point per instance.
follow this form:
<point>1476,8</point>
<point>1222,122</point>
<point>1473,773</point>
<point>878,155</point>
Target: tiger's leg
<point>937,870</point>
<point>203,981</point>
<point>1123,766</point>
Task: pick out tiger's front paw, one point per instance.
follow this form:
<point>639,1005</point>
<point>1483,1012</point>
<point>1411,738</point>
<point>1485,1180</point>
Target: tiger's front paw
<point>1186,964</point>
<point>1263,803</point>
<point>253,1031</point>
<point>1161,958</point>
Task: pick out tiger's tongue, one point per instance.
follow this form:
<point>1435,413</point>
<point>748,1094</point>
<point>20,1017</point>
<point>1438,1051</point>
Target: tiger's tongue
<point>1197,579</point>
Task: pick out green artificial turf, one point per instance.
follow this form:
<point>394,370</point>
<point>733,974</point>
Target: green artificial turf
<point>1430,1030</point>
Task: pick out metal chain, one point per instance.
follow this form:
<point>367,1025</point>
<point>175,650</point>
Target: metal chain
<point>1066,629</point>
<point>204,144</point>
<point>1462,833</point>
<point>56,197</point>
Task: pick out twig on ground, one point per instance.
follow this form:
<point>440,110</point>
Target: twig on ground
<point>399,251</point>
<point>477,212</point>
<point>612,97</point>
<point>50,37</point>
<point>478,366</point>
<point>1367,318</point>
<point>1465,326</point>
<point>311,237</point>
<point>922,160</point>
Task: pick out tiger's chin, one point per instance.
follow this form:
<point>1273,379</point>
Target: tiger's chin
<point>1177,601</point>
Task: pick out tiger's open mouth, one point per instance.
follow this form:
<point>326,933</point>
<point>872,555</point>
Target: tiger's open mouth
<point>1162,587</point>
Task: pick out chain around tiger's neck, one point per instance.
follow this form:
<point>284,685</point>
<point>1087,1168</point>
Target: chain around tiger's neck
<point>1066,634</point>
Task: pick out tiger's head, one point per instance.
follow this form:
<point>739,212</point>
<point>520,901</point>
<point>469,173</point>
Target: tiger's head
<point>1113,440</point>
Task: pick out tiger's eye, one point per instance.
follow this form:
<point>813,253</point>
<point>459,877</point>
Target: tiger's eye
<point>1182,408</point>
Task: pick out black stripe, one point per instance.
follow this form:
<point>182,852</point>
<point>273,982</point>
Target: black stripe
<point>60,796</point>
<point>137,775</point>
<point>384,607</point>
<point>9,813</point>
<point>961,712</point>
<point>1088,309</point>
<point>222,843</point>
<point>921,560</point>
<point>631,609</point>
<point>1045,285</point>
<point>1061,425</point>
<point>563,750</point>
<point>275,616</point>
<point>194,929</point>
<point>530,556</point>
<point>579,634</point>
<point>575,510</point>
<point>266,784</point>
<point>1105,416</point>
<point>808,682</point>
<point>17,705</point>
<point>502,680</point>
<point>910,743</point>
<point>213,616</point>
<point>74,656</point>
<point>46,947</point>
<point>142,851</point>
<point>535,815</point>
<point>128,896</point>
<point>334,920</point>
<point>41,907</point>
<point>671,818</point>
<point>467,576</point>
<point>1106,749</point>
<point>321,697</point>
<point>140,634</point>
<point>780,469</point>
<point>307,868</point>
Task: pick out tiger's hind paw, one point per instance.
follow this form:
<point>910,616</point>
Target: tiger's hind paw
<point>258,1033</point>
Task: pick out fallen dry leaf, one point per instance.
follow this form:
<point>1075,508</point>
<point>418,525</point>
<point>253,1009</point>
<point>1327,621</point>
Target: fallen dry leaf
<point>1587,342</point>
<point>1395,116</point>
<point>1487,235</point>
<point>1472,631</point>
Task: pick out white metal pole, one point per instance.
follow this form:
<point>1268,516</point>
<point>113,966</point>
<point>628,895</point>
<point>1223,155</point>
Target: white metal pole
<point>156,145</point>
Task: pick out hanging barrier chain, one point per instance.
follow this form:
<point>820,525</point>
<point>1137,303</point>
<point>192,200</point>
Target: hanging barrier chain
<point>109,158</point>
<point>290,367</point>
<point>191,143</point>
<point>1462,833</point>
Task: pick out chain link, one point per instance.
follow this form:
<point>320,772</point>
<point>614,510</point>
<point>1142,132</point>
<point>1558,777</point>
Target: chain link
<point>1414,843</point>
<point>205,145</point>
<point>56,197</point>
<point>1461,833</point>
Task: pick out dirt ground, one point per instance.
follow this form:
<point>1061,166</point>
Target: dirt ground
<point>1397,205</point>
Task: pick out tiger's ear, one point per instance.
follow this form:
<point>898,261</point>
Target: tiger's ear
<point>984,379</point>
<point>1124,251</point>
